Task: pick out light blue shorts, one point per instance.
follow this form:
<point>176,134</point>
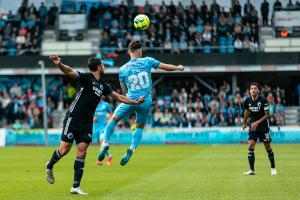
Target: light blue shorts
<point>141,111</point>
<point>98,134</point>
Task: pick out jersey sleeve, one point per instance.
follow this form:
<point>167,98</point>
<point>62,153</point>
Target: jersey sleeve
<point>246,104</point>
<point>153,62</point>
<point>121,76</point>
<point>107,89</point>
<point>266,105</point>
<point>82,77</point>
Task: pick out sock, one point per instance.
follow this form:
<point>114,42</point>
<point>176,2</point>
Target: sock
<point>78,171</point>
<point>54,159</point>
<point>107,154</point>
<point>109,130</point>
<point>271,158</point>
<point>251,158</point>
<point>136,138</point>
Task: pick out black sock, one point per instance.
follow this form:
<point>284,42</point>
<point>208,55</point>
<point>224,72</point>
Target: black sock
<point>78,171</point>
<point>271,158</point>
<point>251,158</point>
<point>54,159</point>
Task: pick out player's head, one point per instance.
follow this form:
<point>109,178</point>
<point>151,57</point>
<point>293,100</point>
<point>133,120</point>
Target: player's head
<point>135,49</point>
<point>96,65</point>
<point>254,89</point>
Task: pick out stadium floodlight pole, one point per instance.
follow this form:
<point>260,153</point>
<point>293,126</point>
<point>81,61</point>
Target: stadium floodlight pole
<point>45,119</point>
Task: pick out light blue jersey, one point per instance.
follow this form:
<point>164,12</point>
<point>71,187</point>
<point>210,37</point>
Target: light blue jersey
<point>99,124</point>
<point>136,74</point>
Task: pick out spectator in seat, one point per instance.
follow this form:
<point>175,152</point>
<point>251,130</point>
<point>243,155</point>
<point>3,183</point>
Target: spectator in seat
<point>246,44</point>
<point>20,114</point>
<point>157,117</point>
<point>166,118</point>
<point>222,121</point>
<point>231,120</point>
<point>238,44</point>
<point>253,45</point>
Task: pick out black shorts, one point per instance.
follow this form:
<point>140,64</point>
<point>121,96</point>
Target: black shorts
<point>76,130</point>
<point>263,136</point>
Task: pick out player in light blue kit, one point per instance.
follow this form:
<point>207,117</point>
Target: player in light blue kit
<point>102,113</point>
<point>135,80</point>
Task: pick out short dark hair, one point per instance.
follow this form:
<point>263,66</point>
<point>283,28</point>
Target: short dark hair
<point>256,84</point>
<point>135,45</point>
<point>93,63</point>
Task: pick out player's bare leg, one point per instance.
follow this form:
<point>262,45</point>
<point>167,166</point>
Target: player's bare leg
<point>63,149</point>
<point>251,157</point>
<point>136,138</point>
<point>78,168</point>
<point>271,158</point>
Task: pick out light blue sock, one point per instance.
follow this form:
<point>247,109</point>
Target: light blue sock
<point>136,138</point>
<point>107,154</point>
<point>109,130</point>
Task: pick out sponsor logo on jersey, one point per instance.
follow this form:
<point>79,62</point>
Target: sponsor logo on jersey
<point>97,91</point>
<point>255,108</point>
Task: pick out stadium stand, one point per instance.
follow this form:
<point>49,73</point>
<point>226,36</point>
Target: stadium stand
<point>174,28</point>
<point>22,105</point>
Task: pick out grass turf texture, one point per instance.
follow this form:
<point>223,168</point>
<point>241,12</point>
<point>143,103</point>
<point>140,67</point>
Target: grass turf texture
<point>154,172</point>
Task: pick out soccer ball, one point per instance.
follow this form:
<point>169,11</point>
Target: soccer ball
<point>141,22</point>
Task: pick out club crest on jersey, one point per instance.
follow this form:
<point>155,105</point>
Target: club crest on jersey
<point>101,87</point>
<point>259,104</point>
<point>70,136</point>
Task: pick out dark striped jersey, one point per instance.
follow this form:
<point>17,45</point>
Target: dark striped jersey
<point>87,97</point>
<point>257,111</point>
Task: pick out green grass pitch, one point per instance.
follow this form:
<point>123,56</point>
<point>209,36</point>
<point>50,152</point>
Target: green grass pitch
<point>155,172</point>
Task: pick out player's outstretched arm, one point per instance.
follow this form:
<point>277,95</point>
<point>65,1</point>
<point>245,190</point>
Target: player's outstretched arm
<point>124,99</point>
<point>169,67</point>
<point>124,88</point>
<point>64,68</point>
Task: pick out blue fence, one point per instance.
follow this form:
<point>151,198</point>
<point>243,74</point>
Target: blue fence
<point>156,136</point>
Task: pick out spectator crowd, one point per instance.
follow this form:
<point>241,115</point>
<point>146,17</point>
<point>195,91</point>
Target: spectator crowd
<point>21,104</point>
<point>22,33</point>
<point>188,107</point>
<point>176,28</point>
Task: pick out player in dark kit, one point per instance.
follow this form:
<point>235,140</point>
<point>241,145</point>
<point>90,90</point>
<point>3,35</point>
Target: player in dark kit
<point>78,122</point>
<point>256,115</point>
